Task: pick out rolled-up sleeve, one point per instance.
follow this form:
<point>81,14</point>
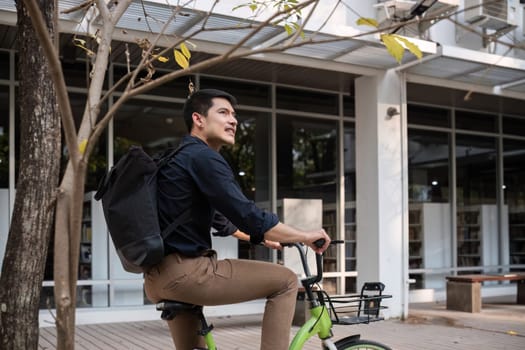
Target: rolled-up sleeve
<point>222,225</point>
<point>215,179</point>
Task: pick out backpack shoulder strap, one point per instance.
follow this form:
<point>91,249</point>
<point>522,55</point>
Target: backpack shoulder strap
<point>162,160</point>
<point>186,215</point>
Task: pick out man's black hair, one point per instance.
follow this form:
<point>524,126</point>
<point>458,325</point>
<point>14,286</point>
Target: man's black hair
<point>201,101</point>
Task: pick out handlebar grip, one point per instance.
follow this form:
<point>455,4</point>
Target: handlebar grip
<point>320,242</point>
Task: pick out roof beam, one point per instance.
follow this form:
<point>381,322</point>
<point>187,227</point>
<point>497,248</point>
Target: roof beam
<point>510,84</point>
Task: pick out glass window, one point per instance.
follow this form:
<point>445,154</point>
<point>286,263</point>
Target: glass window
<point>514,125</point>
<point>514,190</point>
<point>4,169</point>
<point>476,164</point>
<point>432,116</point>
<point>4,137</point>
<point>77,73</point>
<point>429,207</point>
<point>476,121</point>
<point>306,167</point>
<point>4,65</point>
<point>428,166</point>
<point>350,207</point>
<point>307,101</point>
<point>348,106</point>
<point>306,157</point>
<point>247,94</point>
<point>175,88</point>
<point>155,125</point>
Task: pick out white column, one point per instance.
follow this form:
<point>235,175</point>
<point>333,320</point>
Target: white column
<point>382,242</point>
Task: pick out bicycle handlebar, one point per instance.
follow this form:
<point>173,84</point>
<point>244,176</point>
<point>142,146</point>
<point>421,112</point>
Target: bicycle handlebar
<point>311,280</point>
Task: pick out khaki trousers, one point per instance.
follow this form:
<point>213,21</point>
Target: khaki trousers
<point>207,281</point>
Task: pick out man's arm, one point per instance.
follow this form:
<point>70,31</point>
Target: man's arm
<point>287,234</point>
<point>227,197</point>
<point>268,244</point>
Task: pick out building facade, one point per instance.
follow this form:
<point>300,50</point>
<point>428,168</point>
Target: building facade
<point>416,166</point>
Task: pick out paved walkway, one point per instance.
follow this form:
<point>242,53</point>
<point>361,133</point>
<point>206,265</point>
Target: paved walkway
<point>500,325</point>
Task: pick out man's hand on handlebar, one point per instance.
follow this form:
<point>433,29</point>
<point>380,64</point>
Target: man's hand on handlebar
<point>272,244</point>
<point>315,241</point>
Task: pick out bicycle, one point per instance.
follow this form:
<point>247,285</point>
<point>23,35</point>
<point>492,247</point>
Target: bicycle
<point>323,313</point>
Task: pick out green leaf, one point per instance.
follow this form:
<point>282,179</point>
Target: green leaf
<point>413,48</point>
<point>367,22</point>
<point>253,7</point>
<point>288,29</point>
<point>393,46</point>
<point>181,59</point>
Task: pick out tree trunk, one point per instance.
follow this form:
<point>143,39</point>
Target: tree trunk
<point>67,245</point>
<point>29,233</point>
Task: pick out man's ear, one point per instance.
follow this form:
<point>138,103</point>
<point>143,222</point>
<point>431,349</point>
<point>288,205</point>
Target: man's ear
<point>197,119</point>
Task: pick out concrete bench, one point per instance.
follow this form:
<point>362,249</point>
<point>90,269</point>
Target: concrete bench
<point>464,291</point>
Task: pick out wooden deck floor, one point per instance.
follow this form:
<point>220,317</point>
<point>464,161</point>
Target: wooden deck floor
<point>230,333</point>
<point>498,326</point>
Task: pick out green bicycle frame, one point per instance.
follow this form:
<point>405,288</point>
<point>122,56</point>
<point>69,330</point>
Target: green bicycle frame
<point>210,342</point>
<point>320,324</point>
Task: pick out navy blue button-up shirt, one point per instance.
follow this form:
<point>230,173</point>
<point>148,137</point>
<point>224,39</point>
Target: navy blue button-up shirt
<point>199,178</point>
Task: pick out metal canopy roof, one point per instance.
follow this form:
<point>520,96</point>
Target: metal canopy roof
<point>441,64</point>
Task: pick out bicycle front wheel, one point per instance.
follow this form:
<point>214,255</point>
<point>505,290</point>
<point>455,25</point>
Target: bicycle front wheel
<point>351,343</point>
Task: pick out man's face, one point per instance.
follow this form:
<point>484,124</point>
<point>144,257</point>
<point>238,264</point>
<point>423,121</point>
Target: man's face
<point>219,126</point>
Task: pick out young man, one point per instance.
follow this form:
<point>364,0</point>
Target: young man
<point>199,179</point>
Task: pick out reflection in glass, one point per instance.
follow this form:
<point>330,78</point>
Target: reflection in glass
<point>153,124</point>
<point>476,121</point>
<point>428,166</point>
<point>247,94</point>
<point>514,198</point>
<point>88,296</point>
<point>4,137</point>
<point>514,125</point>
<point>350,208</point>
<point>429,207</point>
<point>306,168</point>
<point>348,106</point>
<point>4,65</point>
<point>306,155</point>
<point>76,73</point>
<point>174,88</point>
<point>432,116</point>
<point>307,101</point>
<point>476,164</point>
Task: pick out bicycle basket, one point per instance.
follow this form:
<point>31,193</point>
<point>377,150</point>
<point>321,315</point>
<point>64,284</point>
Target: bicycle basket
<point>358,308</point>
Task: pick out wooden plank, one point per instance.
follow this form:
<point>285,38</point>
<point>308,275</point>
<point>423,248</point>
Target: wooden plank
<point>483,278</point>
<point>464,291</point>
